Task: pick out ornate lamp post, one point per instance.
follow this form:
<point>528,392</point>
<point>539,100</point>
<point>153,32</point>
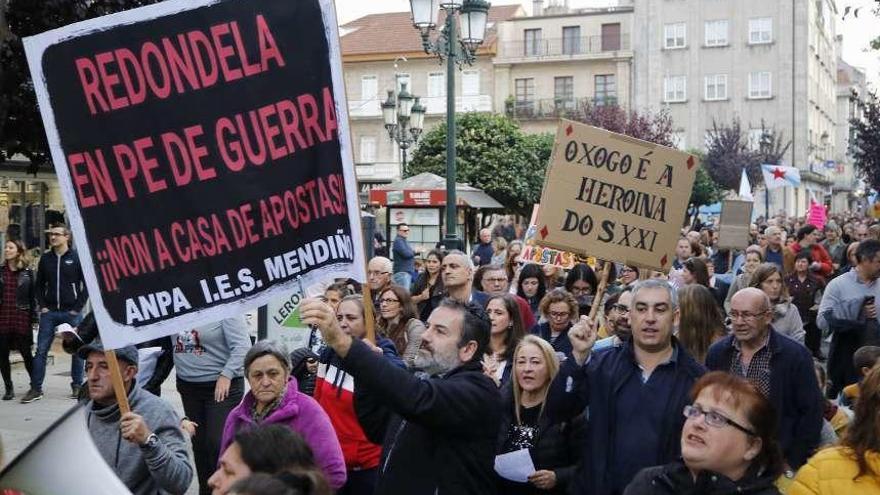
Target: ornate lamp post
<point>453,48</point>
<point>404,120</point>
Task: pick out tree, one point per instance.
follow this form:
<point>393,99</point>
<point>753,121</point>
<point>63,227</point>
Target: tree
<point>647,126</point>
<point>729,152</point>
<point>705,191</point>
<point>21,128</point>
<point>493,154</point>
<point>865,145</point>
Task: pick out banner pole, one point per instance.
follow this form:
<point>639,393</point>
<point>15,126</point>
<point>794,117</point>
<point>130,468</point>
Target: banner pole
<point>600,291</point>
<point>118,384</point>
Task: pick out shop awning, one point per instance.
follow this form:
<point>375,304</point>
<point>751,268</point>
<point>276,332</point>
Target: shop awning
<point>428,189</point>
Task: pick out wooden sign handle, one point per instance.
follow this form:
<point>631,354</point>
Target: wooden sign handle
<point>118,384</point>
<point>600,291</point>
<point>369,316</point>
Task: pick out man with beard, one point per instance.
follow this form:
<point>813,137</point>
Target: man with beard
<point>438,431</point>
<point>616,322</point>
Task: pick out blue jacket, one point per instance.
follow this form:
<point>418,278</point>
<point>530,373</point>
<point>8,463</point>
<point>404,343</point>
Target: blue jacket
<point>562,344</point>
<point>794,393</point>
<point>597,384</point>
<point>485,252</point>
<point>404,256</point>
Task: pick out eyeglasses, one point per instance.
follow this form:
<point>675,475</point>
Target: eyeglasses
<point>373,273</point>
<point>580,290</point>
<point>56,234</point>
<point>559,315</point>
<point>745,315</point>
<point>388,301</point>
<point>311,360</point>
<point>714,419</point>
<point>621,308</point>
<point>627,270</point>
<point>496,280</point>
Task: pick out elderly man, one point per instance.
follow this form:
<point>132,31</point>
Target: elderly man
<point>774,251</point>
<point>779,367</point>
<point>635,391</point>
<point>457,272</point>
<point>145,447</point>
<point>438,433</point>
<point>379,271</point>
<point>495,283</point>
<point>483,252</point>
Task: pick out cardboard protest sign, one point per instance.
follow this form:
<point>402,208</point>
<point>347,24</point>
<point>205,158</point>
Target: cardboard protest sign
<point>204,157</point>
<point>736,216</point>
<point>614,197</point>
<point>533,253</point>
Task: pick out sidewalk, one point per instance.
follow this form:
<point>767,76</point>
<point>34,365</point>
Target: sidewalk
<point>22,423</point>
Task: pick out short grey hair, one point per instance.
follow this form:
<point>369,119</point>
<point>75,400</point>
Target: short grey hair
<point>467,259</point>
<point>656,283</point>
<point>267,348</point>
<point>385,263</point>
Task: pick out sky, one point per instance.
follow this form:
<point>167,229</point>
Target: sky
<point>857,32</point>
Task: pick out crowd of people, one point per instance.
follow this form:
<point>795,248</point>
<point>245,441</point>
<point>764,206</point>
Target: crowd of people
<point>752,370</point>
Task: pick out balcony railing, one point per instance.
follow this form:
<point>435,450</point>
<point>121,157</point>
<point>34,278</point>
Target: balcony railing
<point>434,105</point>
<point>564,47</point>
<point>554,108</point>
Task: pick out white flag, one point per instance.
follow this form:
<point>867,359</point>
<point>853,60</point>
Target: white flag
<point>745,189</point>
<point>779,176</point>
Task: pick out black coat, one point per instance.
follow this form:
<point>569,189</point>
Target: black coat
<point>25,291</point>
<point>438,434</point>
<point>558,448</point>
<point>60,282</point>
<point>676,479</point>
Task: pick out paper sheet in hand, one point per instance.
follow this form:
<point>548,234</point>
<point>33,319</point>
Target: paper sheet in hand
<point>63,328</point>
<point>515,466</point>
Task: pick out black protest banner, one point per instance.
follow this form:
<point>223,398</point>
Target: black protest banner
<point>204,157</point>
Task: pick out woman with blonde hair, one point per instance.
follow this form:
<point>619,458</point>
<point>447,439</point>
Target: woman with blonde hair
<point>553,447</point>
<point>854,465</point>
<point>786,318</point>
<point>701,323</point>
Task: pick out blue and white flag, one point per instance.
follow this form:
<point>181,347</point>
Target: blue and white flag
<point>779,176</point>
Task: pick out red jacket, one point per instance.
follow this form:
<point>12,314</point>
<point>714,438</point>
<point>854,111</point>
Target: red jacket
<point>817,253</point>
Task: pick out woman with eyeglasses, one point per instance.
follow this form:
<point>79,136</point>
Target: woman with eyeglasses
<point>629,275</point>
<point>530,286</point>
<point>559,310</point>
<point>786,318</point>
<point>397,321</point>
<point>427,290</point>
<point>581,282</point>
<point>512,261</point>
<point>728,444</point>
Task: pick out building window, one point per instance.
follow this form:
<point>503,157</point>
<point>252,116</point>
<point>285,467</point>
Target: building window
<point>675,35</point>
<point>760,85</point>
<point>606,89</point>
<point>716,33</point>
<point>470,83</point>
<point>610,37</point>
<point>525,94</point>
<point>368,149</point>
<point>436,84</point>
<point>760,30</point>
<point>532,44</point>
<point>716,87</point>
<point>571,40</point>
<point>369,87</point>
<point>563,88</point>
<point>674,89</point>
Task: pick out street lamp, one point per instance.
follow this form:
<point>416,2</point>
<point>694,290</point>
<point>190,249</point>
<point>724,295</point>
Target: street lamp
<point>404,119</point>
<point>454,49</point>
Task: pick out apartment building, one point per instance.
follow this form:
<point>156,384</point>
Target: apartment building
<point>549,65</point>
<point>847,190</point>
<point>383,52</point>
<point>770,61</point>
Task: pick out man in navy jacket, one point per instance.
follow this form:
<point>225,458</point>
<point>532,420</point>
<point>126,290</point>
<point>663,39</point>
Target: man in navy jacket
<point>779,367</point>
<point>636,392</point>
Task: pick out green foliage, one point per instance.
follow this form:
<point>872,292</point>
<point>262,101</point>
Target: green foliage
<point>705,191</point>
<point>21,128</point>
<point>493,154</point>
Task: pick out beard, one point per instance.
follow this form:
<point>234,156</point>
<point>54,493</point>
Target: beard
<point>435,363</point>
